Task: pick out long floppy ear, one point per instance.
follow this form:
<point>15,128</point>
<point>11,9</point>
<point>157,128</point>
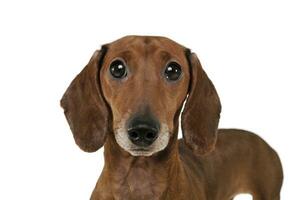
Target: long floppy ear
<point>202,109</point>
<point>85,108</point>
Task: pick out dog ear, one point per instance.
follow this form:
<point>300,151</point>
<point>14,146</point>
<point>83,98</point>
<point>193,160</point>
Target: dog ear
<point>85,108</point>
<point>200,116</point>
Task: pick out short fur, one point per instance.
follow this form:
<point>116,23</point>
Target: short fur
<point>207,164</point>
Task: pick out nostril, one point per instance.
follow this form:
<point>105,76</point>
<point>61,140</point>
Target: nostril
<point>150,136</point>
<point>134,135</point>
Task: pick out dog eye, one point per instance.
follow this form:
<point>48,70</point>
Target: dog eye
<point>172,71</point>
<point>118,69</point>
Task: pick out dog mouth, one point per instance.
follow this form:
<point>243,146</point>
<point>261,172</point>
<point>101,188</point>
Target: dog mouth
<point>140,152</point>
<point>140,149</point>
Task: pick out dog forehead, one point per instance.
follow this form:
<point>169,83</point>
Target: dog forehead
<point>150,44</point>
<point>146,47</point>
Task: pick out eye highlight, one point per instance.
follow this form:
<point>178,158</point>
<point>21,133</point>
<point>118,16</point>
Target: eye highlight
<point>118,69</point>
<point>172,71</point>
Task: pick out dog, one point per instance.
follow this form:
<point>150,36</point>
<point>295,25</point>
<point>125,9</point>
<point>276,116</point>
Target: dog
<point>129,98</point>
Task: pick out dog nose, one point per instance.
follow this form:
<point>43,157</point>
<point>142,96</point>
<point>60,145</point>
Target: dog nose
<point>143,132</point>
<point>143,135</point>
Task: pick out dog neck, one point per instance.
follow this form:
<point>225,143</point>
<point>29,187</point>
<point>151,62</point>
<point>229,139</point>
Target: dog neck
<point>141,177</point>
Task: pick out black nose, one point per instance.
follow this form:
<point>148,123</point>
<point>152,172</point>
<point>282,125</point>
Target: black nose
<point>143,131</point>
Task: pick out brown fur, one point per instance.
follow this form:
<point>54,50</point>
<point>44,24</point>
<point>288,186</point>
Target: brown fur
<point>207,164</point>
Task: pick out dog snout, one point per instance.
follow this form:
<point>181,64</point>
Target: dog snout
<point>143,131</point>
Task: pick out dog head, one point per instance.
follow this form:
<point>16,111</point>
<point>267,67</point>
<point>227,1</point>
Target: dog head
<point>134,88</point>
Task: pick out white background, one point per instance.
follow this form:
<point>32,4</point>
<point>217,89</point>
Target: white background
<point>251,51</point>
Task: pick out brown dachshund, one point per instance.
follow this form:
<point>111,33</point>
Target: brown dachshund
<point>129,98</point>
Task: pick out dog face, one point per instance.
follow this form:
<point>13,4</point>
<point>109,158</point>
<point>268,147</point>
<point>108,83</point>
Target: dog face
<point>145,81</point>
<point>134,88</point>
